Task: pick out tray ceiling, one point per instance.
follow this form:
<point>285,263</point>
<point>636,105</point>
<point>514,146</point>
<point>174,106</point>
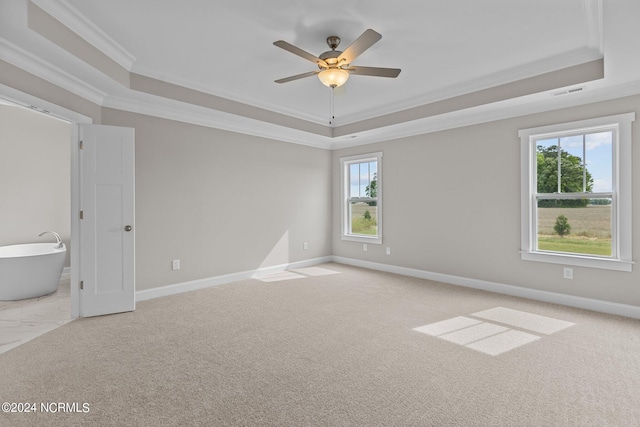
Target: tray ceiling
<point>462,61</point>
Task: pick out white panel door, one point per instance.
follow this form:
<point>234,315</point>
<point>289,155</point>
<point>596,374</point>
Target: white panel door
<point>107,229</point>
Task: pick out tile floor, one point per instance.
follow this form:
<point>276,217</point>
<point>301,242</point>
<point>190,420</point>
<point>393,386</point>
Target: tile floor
<point>24,320</point>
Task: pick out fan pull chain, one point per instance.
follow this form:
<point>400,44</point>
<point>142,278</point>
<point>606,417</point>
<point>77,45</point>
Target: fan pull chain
<point>331,108</point>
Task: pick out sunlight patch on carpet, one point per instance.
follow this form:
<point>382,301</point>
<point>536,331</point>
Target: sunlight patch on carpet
<point>296,273</point>
<point>490,338</point>
<point>501,343</point>
<point>474,333</point>
<point>522,320</point>
<point>446,326</point>
<point>315,271</point>
<point>280,276</point>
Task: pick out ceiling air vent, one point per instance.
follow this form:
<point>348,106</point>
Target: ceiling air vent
<point>568,91</point>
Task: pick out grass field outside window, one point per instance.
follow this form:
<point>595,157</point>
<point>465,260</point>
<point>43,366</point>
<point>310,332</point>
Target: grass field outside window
<point>590,230</point>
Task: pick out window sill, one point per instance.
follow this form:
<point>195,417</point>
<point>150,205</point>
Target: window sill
<point>362,239</point>
<point>578,261</point>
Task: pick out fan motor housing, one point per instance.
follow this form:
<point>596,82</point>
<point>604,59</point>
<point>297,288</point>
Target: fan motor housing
<point>330,54</point>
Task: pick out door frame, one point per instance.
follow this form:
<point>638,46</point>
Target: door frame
<point>74,119</point>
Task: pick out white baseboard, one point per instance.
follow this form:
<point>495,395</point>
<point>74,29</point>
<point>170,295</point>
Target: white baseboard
<point>534,294</point>
<point>178,288</point>
<point>517,291</point>
<point>66,272</point>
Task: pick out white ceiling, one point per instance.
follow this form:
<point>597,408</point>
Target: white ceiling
<point>445,49</point>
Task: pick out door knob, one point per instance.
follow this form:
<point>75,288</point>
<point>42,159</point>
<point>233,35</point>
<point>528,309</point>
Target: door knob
<point>127,228</point>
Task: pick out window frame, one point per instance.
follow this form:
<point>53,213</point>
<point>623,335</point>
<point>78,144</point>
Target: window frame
<point>621,231</point>
<point>345,163</point>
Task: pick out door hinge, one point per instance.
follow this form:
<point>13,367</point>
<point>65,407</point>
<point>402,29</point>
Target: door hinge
<point>81,214</point>
<point>82,284</point>
<point>81,145</point>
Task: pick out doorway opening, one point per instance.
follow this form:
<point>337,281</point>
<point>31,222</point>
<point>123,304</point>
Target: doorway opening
<point>35,188</point>
<point>105,151</point>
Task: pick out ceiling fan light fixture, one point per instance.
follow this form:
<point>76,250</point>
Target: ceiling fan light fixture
<point>335,65</point>
<point>333,77</point>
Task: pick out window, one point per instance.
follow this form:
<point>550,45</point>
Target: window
<point>576,193</point>
<point>362,198</point>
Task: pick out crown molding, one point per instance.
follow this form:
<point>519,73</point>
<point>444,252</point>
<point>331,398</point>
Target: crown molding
<point>78,23</point>
<point>507,109</point>
<point>73,19</point>
<point>24,100</point>
<point>82,26</point>
<point>169,109</point>
<point>152,105</point>
<point>31,63</point>
<point>232,95</point>
<point>67,15</point>
<point>189,113</point>
<point>532,69</point>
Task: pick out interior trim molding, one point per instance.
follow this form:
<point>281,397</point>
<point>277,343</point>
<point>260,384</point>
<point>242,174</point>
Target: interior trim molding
<point>541,83</point>
<point>516,291</point>
<point>85,28</point>
<point>189,113</point>
<point>227,93</point>
<point>179,93</point>
<point>26,100</point>
<point>59,22</point>
<point>178,288</point>
<point>577,58</point>
<point>18,57</point>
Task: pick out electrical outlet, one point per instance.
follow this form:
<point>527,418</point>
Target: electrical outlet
<point>568,273</point>
<point>305,246</point>
<point>364,247</point>
<point>388,250</point>
<point>175,264</point>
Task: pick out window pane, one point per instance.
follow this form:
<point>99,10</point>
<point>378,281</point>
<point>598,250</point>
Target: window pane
<point>578,230</point>
<point>600,160</point>
<point>586,163</point>
<point>573,178</point>
<point>364,178</point>
<point>354,180</point>
<point>372,190</point>
<point>547,165</point>
<point>364,218</point>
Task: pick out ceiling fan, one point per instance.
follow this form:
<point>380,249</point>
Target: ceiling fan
<point>334,65</point>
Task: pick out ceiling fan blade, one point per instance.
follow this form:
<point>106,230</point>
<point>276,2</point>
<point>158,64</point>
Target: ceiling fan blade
<point>301,53</point>
<point>362,43</point>
<point>374,71</point>
<point>297,76</point>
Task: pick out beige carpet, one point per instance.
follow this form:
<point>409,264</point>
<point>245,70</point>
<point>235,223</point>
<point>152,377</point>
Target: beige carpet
<point>328,350</point>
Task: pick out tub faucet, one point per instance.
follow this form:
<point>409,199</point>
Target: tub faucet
<point>58,240</point>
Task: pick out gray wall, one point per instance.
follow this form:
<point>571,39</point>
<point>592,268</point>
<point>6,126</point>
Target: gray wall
<point>34,177</point>
<point>452,206</point>
<point>222,202</point>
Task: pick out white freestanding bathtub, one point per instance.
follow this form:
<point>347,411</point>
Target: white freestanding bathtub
<point>30,270</point>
